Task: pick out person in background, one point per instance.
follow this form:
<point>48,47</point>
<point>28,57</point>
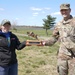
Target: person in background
<point>8,45</point>
<point>65,31</point>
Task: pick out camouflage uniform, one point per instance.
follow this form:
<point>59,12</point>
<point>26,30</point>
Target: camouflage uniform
<point>65,30</point>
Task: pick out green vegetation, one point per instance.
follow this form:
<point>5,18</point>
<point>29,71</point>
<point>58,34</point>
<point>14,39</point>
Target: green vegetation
<point>39,32</point>
<point>37,60</point>
<point>48,23</point>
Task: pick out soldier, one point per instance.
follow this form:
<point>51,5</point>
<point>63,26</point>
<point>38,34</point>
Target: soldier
<point>65,30</point>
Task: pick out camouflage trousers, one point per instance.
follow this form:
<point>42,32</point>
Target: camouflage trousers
<point>66,67</point>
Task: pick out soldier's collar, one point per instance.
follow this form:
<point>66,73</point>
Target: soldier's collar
<point>68,21</point>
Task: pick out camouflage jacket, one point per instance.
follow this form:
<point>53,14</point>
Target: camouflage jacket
<point>65,31</point>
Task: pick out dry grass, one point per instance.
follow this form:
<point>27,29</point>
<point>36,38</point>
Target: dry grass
<point>37,60</point>
<point>34,60</point>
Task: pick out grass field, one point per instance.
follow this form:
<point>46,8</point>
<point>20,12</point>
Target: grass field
<point>37,60</point>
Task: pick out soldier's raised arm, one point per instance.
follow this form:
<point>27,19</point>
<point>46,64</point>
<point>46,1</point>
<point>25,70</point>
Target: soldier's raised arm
<point>53,38</point>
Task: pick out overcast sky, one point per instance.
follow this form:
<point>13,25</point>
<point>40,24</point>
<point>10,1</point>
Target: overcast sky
<point>31,12</point>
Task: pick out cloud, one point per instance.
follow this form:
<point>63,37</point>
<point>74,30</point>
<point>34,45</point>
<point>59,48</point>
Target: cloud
<point>17,18</point>
<point>55,13</point>
<point>35,9</point>
<point>1,9</point>
<point>39,10</point>
<point>47,8</point>
<point>35,14</point>
<point>43,12</point>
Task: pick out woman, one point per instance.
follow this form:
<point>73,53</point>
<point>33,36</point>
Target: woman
<point>8,44</point>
